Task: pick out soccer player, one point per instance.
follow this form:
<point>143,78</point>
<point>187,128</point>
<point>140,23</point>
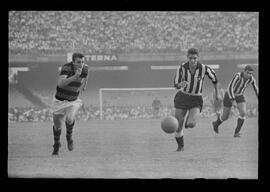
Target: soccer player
<point>156,105</point>
<point>189,80</point>
<point>72,79</point>
<point>234,96</point>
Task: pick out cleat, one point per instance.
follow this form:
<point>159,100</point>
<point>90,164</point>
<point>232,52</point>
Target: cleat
<point>180,149</point>
<point>237,135</point>
<point>56,147</point>
<point>215,127</point>
<point>70,144</point>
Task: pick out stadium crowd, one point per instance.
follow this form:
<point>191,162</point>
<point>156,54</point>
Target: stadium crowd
<point>37,114</point>
<point>59,32</point>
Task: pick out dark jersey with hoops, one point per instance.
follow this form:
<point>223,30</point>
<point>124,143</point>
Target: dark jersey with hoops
<point>71,91</point>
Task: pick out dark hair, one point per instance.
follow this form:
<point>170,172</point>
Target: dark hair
<point>249,68</point>
<point>193,51</point>
<point>77,55</point>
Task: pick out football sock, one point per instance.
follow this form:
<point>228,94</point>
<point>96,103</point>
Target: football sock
<point>179,137</point>
<point>240,122</point>
<point>56,134</point>
<point>180,141</point>
<point>69,129</point>
<point>219,120</point>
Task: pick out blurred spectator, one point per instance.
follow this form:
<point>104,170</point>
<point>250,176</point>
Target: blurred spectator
<point>156,105</point>
<point>58,32</point>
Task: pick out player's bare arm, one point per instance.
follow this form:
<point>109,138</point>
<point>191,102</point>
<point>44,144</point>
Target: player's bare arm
<point>255,88</point>
<point>63,80</point>
<point>84,83</point>
<point>217,95</point>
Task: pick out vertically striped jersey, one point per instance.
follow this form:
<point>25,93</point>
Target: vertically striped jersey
<point>71,91</point>
<point>195,81</point>
<point>238,85</point>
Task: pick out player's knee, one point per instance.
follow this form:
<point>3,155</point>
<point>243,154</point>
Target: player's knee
<point>242,114</point>
<point>69,120</point>
<point>191,125</point>
<point>57,128</point>
<point>225,117</point>
<point>58,121</point>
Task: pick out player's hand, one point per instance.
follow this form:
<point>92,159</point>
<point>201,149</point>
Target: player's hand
<point>183,84</point>
<point>218,97</point>
<point>84,88</point>
<point>234,104</point>
<point>78,72</point>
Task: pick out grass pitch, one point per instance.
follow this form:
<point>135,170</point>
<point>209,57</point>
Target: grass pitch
<point>134,149</point>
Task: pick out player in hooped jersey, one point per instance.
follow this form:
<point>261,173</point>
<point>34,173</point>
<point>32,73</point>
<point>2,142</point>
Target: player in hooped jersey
<point>234,97</point>
<point>72,80</point>
<point>189,80</point>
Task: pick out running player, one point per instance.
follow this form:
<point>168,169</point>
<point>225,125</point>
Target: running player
<point>189,79</point>
<point>234,96</point>
<point>72,79</point>
<point>156,106</point>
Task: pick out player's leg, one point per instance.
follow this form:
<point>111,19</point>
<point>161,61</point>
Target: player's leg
<point>158,113</point>
<point>192,117</point>
<point>179,134</point>
<point>221,118</point>
<point>219,108</point>
<point>215,107</point>
<point>155,113</point>
<point>70,122</point>
<point>195,107</point>
<point>58,121</point>
<point>227,106</point>
<point>240,121</point>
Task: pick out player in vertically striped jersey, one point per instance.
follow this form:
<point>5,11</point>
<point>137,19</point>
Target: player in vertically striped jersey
<point>72,80</point>
<point>189,80</point>
<point>234,96</point>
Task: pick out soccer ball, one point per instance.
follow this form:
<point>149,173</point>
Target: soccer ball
<point>169,124</point>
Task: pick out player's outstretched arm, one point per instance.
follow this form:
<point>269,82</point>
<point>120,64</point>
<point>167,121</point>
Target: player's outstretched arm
<point>217,94</point>
<point>255,87</point>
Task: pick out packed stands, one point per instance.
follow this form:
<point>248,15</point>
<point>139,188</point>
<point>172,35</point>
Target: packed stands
<point>58,32</point>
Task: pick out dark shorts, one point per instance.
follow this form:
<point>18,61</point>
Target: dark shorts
<point>184,101</point>
<point>227,102</point>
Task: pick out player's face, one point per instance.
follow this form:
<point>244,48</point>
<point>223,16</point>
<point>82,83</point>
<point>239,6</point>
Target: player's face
<point>192,59</point>
<point>78,62</point>
<point>248,74</point>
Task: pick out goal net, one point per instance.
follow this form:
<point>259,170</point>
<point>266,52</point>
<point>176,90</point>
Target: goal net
<point>135,103</point>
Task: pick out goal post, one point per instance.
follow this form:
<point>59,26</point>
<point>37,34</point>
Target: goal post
<point>102,90</point>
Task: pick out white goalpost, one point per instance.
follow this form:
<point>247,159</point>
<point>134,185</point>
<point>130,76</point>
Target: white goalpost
<point>101,90</point>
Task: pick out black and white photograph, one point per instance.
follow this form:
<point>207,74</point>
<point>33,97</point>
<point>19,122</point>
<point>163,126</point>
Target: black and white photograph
<point>133,94</point>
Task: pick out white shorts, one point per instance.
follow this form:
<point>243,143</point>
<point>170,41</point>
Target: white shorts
<point>67,108</point>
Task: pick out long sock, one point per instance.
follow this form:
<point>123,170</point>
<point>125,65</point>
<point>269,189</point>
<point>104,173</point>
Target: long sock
<point>69,129</point>
<point>56,134</point>
<point>180,141</point>
<point>179,137</point>
<point>240,122</point>
<point>219,120</point>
